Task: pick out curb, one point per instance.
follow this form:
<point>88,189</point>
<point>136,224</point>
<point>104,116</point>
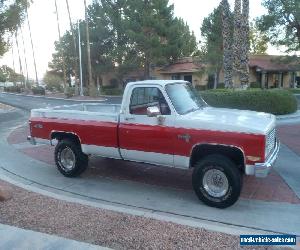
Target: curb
<point>59,98</point>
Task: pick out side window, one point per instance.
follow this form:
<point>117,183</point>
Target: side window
<point>144,97</point>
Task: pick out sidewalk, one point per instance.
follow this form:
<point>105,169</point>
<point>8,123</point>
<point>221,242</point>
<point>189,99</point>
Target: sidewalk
<point>17,238</point>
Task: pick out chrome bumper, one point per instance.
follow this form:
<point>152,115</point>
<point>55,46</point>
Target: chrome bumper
<point>262,170</point>
<point>31,140</point>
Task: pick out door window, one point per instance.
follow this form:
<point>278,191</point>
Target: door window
<point>144,97</point>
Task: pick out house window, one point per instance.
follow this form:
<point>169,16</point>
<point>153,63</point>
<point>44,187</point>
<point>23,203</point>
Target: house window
<point>175,77</point>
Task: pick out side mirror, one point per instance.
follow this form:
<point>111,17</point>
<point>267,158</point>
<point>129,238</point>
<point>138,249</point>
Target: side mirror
<point>153,111</point>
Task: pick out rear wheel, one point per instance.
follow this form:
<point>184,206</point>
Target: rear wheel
<point>69,158</point>
<point>217,181</point>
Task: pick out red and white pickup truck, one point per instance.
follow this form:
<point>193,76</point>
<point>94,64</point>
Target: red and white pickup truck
<point>164,122</point>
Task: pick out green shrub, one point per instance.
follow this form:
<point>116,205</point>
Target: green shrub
<point>107,90</point>
<point>69,91</point>
<point>255,85</point>
<point>201,87</point>
<point>53,82</point>
<point>38,90</point>
<point>275,101</point>
<point>13,89</point>
<point>294,91</point>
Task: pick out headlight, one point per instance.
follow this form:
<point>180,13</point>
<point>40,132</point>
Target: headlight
<point>270,142</point>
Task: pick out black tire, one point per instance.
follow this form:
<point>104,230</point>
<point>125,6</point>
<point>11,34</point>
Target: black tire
<point>225,168</point>
<point>81,160</point>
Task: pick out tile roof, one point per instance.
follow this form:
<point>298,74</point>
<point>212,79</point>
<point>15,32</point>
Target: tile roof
<point>184,65</point>
<point>272,63</point>
<point>263,62</point>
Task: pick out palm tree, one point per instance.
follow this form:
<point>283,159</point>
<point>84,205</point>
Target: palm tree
<point>59,35</point>
<point>74,47</point>
<point>32,48</point>
<point>25,57</point>
<point>227,43</point>
<point>244,76</point>
<point>20,61</point>
<point>89,65</point>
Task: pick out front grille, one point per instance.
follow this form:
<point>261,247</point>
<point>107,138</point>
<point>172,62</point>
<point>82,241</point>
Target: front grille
<point>270,141</point>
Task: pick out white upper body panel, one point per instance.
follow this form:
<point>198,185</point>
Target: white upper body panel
<point>233,120</point>
<point>208,118</point>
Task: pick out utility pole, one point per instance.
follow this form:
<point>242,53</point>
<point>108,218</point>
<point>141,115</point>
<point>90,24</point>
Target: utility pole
<point>92,90</point>
<point>32,48</point>
<point>25,58</point>
<point>75,51</point>
<point>20,63</point>
<point>59,35</point>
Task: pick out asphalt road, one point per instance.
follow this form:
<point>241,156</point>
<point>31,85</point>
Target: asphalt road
<point>29,102</point>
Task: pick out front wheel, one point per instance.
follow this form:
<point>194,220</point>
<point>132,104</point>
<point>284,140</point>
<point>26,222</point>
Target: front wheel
<point>69,158</point>
<point>217,181</point>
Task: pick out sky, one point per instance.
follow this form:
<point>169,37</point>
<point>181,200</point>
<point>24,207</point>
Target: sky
<point>42,17</point>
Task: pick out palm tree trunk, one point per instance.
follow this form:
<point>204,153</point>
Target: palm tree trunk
<point>89,65</point>
<point>25,58</point>
<point>32,48</point>
<point>237,42</point>
<point>20,62</point>
<point>227,44</point>
<point>244,76</point>
<point>75,50</point>
<point>62,57</point>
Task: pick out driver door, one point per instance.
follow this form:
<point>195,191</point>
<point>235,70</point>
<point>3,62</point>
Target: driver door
<point>144,138</point>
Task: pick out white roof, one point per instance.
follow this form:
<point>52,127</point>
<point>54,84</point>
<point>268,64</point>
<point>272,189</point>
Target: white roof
<point>156,82</point>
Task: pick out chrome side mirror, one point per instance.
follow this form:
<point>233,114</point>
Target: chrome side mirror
<point>153,111</point>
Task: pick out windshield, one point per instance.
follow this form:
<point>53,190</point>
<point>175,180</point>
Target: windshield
<point>184,97</point>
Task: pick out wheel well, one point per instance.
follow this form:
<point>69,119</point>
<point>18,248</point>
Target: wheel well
<point>64,135</point>
<point>233,153</point>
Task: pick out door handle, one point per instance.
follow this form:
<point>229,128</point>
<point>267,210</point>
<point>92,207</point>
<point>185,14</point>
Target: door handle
<point>129,118</point>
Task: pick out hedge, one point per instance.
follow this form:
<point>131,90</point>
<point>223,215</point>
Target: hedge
<point>38,90</point>
<point>13,89</point>
<point>277,102</point>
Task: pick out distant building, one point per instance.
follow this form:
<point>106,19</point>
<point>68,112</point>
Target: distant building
<point>266,71</point>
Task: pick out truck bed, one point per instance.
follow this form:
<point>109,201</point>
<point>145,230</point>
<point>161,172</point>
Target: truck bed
<point>86,111</point>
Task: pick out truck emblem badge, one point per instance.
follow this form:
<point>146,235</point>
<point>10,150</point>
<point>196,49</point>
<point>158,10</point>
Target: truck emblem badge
<point>185,137</point>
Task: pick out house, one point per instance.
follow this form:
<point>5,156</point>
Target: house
<point>266,71</point>
<point>272,71</point>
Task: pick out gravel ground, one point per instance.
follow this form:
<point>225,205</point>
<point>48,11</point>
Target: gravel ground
<point>103,227</point>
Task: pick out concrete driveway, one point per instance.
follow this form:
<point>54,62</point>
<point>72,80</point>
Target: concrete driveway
<point>155,195</point>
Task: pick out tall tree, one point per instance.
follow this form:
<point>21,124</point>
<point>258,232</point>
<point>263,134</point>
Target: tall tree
<point>245,45</point>
<point>92,91</point>
<point>59,35</point>
<point>227,44</point>
<point>282,23</point>
<point>12,13</point>
<point>155,33</point>
<point>75,66</point>
<point>258,40</point>
<point>212,49</point>
<point>123,38</point>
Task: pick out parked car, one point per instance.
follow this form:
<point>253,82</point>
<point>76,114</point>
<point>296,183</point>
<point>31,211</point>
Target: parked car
<point>164,122</point>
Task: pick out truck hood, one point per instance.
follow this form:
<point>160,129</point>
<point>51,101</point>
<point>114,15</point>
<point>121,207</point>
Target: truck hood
<point>233,120</point>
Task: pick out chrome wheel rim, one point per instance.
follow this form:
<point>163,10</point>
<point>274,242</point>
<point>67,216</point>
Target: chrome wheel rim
<point>215,183</point>
<point>67,159</point>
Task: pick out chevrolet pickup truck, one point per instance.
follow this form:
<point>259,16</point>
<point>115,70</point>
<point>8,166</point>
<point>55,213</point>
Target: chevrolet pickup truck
<point>164,122</point>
